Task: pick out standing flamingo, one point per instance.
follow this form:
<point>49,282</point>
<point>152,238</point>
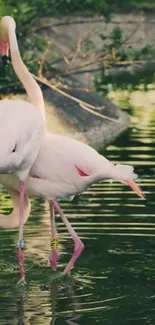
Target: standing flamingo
<point>64,167</point>
<point>21,123</point>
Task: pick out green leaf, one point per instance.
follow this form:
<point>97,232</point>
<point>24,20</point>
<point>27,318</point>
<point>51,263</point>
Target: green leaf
<point>88,46</point>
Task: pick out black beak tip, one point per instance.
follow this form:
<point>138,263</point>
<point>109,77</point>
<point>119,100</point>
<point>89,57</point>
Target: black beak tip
<point>5,60</point>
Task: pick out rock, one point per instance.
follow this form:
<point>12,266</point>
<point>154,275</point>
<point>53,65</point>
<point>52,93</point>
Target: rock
<point>68,35</point>
<point>98,132</point>
<point>64,33</point>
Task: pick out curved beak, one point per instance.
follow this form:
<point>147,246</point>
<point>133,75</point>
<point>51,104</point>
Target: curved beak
<point>4,51</point>
<point>135,188</point>
<point>4,60</point>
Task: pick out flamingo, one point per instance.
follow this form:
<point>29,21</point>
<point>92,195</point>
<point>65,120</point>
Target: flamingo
<point>21,124</point>
<point>65,167</point>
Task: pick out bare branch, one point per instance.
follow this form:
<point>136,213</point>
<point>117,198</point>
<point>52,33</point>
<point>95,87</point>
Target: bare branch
<point>43,58</point>
<point>97,113</point>
<point>82,103</point>
<point>78,49</point>
<point>128,38</point>
<point>60,84</point>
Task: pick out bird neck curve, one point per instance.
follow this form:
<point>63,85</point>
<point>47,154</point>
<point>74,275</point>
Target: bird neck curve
<point>32,88</point>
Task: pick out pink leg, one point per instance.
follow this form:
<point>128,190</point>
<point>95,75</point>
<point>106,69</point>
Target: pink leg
<point>78,245</point>
<point>53,258</point>
<point>20,244</point>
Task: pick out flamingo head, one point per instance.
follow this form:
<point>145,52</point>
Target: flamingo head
<point>7,24</point>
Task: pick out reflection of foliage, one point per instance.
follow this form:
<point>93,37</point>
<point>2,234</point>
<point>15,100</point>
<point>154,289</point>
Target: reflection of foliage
<point>127,79</point>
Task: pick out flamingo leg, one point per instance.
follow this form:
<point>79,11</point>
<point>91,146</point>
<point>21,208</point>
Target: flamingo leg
<point>78,245</point>
<point>20,244</point>
<point>53,258</point>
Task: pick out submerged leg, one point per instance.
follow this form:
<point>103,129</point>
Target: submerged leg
<point>53,258</point>
<point>78,245</point>
<point>20,244</point>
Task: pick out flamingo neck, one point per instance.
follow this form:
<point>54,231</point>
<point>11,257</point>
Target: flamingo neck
<point>32,88</point>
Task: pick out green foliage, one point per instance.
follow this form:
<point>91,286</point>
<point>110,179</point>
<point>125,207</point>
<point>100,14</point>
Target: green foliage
<point>125,67</point>
<point>27,11</point>
<point>117,36</point>
<point>88,46</point>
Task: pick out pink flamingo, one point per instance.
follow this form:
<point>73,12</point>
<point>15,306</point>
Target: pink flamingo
<point>65,167</point>
<point>20,133</point>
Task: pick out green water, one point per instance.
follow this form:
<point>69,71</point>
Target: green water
<point>113,281</point>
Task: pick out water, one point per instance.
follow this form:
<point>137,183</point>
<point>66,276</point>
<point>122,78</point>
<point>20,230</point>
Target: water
<point>113,281</point>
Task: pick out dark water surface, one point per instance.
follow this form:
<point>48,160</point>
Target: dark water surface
<point>113,281</point>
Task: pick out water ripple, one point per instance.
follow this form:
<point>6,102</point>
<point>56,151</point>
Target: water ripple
<point>113,280</point>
